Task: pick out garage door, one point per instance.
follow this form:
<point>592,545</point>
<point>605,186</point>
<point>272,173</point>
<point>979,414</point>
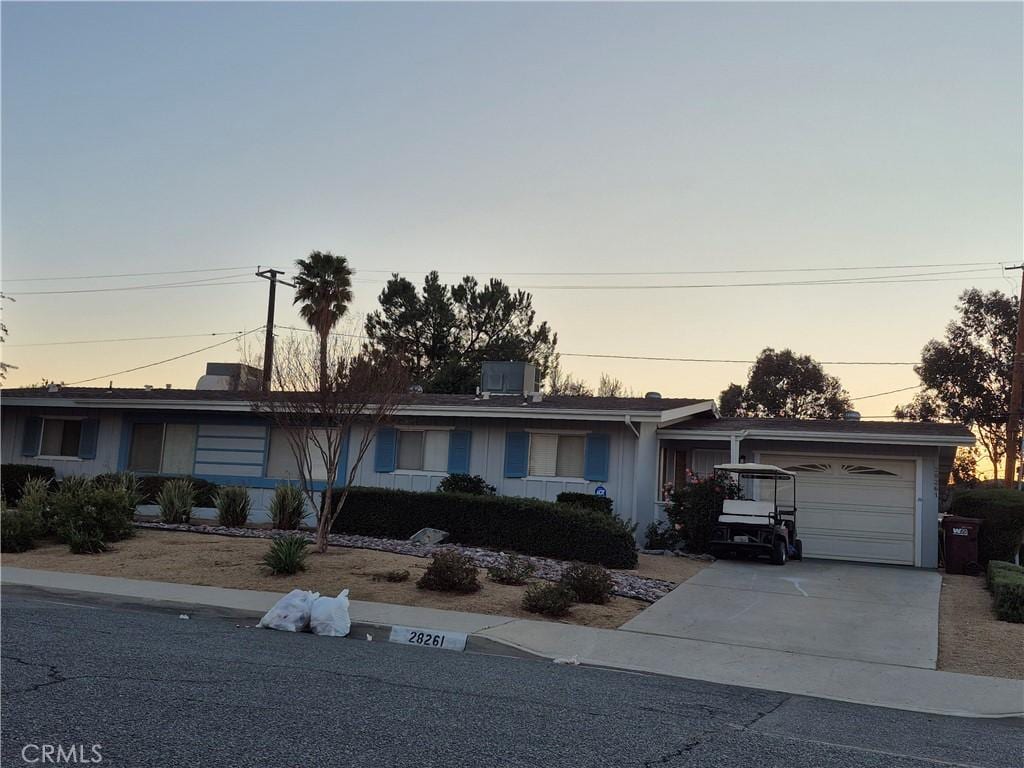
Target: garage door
<point>853,508</point>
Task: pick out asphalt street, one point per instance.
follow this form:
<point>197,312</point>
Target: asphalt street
<point>151,689</point>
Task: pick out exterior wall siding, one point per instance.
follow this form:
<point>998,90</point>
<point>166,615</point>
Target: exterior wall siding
<point>107,440</point>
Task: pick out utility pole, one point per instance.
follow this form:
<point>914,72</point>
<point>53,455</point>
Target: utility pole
<point>1016,391</point>
<point>270,274</point>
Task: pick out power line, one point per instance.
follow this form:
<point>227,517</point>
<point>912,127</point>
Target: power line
<point>129,338</point>
<point>128,274</point>
<point>890,392</point>
<point>205,283</point>
<point>168,360</point>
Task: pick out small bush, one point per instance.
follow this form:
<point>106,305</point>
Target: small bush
<point>13,477</point>
<point>394,577</point>
<point>18,530</point>
<point>233,504</point>
<point>83,540</point>
<point>450,572</point>
<point>661,535</point>
<point>589,583</point>
<point>514,571</point>
<point>1008,592</point>
<point>82,514</point>
<point>35,501</point>
<point>176,499</point>
<point>287,555</point>
<point>697,505</point>
<point>149,487</point>
<point>126,481</point>
<point>995,566</point>
<point>1002,510</point>
<point>587,501</point>
<point>548,599</point>
<point>287,507</point>
<point>474,485</point>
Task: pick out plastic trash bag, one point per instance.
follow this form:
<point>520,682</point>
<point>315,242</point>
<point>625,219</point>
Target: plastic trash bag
<point>291,613</point>
<point>330,616</point>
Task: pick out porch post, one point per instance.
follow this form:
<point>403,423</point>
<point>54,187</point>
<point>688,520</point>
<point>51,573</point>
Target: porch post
<point>645,476</point>
<point>734,449</point>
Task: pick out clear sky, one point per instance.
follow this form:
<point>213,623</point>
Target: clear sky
<point>491,139</point>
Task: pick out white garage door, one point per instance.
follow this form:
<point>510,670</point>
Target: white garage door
<point>853,508</point>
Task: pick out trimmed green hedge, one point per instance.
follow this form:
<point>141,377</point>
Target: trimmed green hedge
<point>1007,584</point>
<point>1002,510</point>
<point>511,524</point>
<point>13,477</point>
<point>587,501</point>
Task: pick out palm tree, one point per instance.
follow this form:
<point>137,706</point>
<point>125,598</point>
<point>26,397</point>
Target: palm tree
<point>323,286</point>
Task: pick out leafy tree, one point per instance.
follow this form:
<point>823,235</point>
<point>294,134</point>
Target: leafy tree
<point>561,382</point>
<point>967,374</point>
<point>443,333</point>
<point>609,386</point>
<point>965,467</point>
<point>783,384</point>
<point>323,287</point>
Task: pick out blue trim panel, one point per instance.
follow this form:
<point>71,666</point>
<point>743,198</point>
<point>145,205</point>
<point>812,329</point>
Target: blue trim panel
<point>231,463</point>
<point>231,450</point>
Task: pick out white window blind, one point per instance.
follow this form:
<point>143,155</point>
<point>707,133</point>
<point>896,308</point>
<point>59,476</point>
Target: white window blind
<point>543,455</point>
<point>435,450</point>
<point>179,449</point>
<point>281,463</point>
<point>410,450</point>
<point>570,456</point>
<point>147,445</point>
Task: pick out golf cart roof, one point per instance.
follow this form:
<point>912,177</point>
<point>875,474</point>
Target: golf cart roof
<point>755,469</point>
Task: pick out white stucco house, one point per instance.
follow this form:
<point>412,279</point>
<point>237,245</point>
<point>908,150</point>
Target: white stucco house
<point>867,491</point>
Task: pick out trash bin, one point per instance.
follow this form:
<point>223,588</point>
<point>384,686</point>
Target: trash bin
<point>961,539</point>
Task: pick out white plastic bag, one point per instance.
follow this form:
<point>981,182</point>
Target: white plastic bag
<point>291,613</point>
<point>330,616</point>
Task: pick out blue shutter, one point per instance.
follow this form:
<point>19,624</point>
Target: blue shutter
<point>517,454</point>
<point>384,453</point>
<point>87,441</point>
<point>30,440</point>
<point>595,459</point>
<point>458,451</point>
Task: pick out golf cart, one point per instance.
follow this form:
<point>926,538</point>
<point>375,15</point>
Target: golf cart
<point>759,527</point>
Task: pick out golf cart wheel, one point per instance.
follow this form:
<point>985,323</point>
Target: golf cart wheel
<point>798,545</point>
<point>779,552</point>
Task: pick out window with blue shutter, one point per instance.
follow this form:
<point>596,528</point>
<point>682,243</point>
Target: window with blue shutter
<point>458,451</point>
<point>596,457</point>
<point>87,440</point>
<point>517,454</point>
<point>33,433</point>
<point>384,453</point>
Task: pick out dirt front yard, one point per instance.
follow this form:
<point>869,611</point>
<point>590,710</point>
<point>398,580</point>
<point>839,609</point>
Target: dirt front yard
<point>234,563</point>
<point>971,639</point>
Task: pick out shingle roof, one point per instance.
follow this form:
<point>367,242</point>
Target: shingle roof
<point>554,402</point>
<point>839,426</point>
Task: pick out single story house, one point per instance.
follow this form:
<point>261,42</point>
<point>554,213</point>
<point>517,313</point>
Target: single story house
<point>866,491</point>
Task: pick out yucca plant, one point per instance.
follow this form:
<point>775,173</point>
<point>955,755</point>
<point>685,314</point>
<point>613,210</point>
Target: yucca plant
<point>35,501</point>
<point>287,507</point>
<point>176,499</point>
<point>233,505</point>
<point>127,482</point>
<point>287,555</point>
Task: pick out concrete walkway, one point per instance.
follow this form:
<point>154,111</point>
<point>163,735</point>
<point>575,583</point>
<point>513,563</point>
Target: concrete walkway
<point>885,685</point>
<point>852,611</point>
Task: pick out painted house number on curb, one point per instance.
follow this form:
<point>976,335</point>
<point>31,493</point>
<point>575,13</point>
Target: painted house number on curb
<point>429,638</point>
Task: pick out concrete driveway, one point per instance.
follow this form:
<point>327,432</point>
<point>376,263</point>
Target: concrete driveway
<point>825,608</point>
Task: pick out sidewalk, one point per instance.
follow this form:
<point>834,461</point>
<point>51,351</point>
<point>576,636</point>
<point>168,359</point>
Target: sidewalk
<point>883,685</point>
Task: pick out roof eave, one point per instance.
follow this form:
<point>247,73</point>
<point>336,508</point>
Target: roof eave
<point>820,437</point>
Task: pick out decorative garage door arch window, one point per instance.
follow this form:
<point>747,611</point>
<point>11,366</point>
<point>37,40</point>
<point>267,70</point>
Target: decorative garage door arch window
<point>841,469</point>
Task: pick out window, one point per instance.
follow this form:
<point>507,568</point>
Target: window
<point>281,463</point>
<point>861,469</point>
<point>553,455</point>
<point>425,449</point>
<point>61,437</point>
<point>168,449</point>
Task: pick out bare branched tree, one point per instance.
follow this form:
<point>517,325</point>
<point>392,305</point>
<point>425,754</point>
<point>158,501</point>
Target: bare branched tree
<point>317,415</point>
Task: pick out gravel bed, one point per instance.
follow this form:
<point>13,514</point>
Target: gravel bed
<point>625,584</point>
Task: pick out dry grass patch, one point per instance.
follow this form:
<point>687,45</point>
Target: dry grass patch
<point>234,563</point>
<point>971,639</point>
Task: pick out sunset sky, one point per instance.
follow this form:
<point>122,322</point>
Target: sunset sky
<point>513,141</point>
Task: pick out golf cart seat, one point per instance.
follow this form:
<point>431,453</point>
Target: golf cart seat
<point>743,511</point>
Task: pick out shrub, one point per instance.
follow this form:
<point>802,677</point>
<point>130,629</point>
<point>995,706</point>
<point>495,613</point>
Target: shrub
<point>1002,510</point>
<point>35,501</point>
<point>287,555</point>
<point>587,501</point>
<point>13,477</point>
<point>589,583</point>
<point>126,481</point>
<point>661,535</point>
<point>149,487</point>
<point>514,571</point>
<point>176,499</point>
<point>83,514</point>
<point>474,485</point>
<point>511,524</point>
<point>1007,583</point>
<point>697,505</point>
<point>287,507</point>
<point>233,505</point>
<point>548,599</point>
<point>18,530</point>
<point>993,567</point>
<point>450,571</point>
